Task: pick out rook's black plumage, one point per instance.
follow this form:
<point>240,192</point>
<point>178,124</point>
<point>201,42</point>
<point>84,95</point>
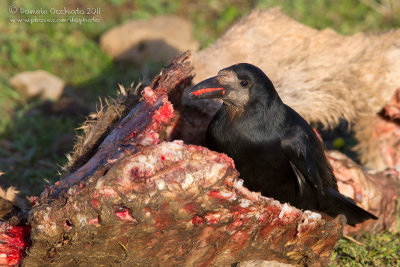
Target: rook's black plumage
<point>274,148</point>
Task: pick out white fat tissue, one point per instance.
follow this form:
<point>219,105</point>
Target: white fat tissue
<point>149,94</point>
<point>310,216</point>
<point>285,209</point>
<point>100,183</point>
<point>315,216</point>
<point>82,219</point>
<point>46,215</point>
<point>160,184</point>
<point>171,150</point>
<point>145,163</point>
<point>71,190</point>
<point>244,203</point>
<point>238,183</point>
<point>228,195</point>
<point>216,170</point>
<point>147,139</point>
<point>188,181</point>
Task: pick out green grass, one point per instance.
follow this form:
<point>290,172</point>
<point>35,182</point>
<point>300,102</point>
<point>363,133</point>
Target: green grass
<point>346,17</point>
<point>27,158</point>
<point>71,51</point>
<point>377,250</point>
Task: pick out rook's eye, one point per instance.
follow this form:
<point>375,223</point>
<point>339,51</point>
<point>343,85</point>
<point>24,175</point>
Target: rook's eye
<point>244,83</point>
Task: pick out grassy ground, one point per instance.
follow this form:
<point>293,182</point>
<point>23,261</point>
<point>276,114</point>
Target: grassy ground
<point>71,51</point>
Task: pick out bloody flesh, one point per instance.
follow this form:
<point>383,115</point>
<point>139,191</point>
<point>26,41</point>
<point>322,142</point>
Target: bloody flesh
<point>207,90</point>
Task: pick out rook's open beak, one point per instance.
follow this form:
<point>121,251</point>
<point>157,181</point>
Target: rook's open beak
<point>210,88</point>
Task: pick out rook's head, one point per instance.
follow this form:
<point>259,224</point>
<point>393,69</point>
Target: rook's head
<point>235,85</point>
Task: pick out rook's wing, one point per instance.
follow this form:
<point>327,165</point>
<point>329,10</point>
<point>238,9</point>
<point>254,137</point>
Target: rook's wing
<point>303,154</point>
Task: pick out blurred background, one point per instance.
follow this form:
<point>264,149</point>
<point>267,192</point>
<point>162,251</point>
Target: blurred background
<point>40,112</point>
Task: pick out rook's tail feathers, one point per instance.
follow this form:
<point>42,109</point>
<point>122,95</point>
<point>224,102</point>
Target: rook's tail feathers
<point>346,206</point>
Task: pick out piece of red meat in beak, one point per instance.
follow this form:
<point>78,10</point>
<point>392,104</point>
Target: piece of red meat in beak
<point>210,88</point>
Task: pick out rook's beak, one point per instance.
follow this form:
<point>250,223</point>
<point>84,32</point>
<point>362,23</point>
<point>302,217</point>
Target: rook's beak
<point>210,88</point>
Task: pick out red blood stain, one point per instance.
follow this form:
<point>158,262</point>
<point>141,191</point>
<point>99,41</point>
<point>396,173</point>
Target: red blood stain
<point>235,224</point>
<point>197,220</point>
<point>162,157</point>
<point>154,136</point>
<point>215,194</point>
<point>273,210</point>
<point>94,220</point>
<point>164,114</point>
<point>207,90</point>
<point>194,148</point>
<point>14,241</point>
<point>237,211</point>
<point>95,203</point>
<point>125,216</point>
<point>108,192</point>
<point>212,218</point>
